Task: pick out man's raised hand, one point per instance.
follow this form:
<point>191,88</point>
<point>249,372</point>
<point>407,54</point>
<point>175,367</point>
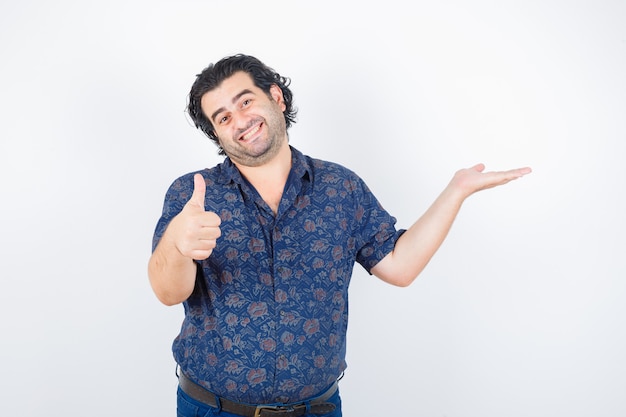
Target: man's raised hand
<point>195,230</point>
<point>470,180</point>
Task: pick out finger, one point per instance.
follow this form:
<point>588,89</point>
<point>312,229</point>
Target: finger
<point>210,226</point>
<point>200,255</point>
<point>203,242</point>
<point>199,190</point>
<point>517,173</point>
<point>212,219</point>
<point>479,167</point>
<point>204,246</point>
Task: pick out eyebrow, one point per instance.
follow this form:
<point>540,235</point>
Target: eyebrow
<point>221,109</point>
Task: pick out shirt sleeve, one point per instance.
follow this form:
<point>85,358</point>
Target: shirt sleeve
<point>376,228</point>
<point>176,197</point>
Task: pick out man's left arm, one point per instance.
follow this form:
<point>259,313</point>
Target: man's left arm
<point>418,244</point>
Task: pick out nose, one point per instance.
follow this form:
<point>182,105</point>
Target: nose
<point>241,120</point>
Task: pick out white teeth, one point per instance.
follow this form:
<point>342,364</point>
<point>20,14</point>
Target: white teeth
<point>251,133</point>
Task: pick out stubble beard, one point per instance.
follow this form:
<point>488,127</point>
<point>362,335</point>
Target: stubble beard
<point>260,155</point>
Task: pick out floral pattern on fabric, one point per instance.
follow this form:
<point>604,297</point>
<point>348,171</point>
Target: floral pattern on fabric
<point>267,320</point>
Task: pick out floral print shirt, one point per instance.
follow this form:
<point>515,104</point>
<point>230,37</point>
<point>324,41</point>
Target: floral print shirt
<point>267,320</point>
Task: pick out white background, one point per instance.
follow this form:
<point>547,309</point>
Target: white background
<point>521,312</point>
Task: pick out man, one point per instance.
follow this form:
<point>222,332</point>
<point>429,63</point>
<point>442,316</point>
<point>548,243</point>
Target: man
<point>260,250</point>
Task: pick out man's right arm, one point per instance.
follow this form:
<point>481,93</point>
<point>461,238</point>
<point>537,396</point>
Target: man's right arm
<point>191,235</point>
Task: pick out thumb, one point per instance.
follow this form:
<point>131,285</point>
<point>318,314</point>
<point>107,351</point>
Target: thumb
<point>199,190</point>
<point>479,167</point>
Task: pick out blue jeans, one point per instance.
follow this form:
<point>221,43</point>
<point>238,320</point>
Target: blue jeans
<point>188,407</point>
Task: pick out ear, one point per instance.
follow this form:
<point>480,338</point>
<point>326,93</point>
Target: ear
<point>277,94</point>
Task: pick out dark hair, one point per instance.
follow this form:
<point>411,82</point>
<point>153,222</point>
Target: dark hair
<point>213,75</point>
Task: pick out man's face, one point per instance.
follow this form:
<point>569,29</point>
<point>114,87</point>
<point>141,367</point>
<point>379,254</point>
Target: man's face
<point>249,124</point>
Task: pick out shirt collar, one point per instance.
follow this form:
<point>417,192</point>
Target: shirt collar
<point>300,168</point>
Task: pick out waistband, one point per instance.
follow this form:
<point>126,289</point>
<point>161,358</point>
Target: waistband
<point>317,405</point>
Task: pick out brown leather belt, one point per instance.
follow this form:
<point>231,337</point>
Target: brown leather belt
<point>318,405</point>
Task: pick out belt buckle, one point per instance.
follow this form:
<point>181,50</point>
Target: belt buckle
<point>260,408</point>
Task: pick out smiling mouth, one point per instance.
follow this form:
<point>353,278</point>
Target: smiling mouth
<point>251,133</point>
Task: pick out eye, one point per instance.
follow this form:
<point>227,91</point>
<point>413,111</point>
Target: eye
<point>223,120</point>
<point>246,102</point>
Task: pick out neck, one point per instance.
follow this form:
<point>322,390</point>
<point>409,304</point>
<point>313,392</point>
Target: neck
<point>276,169</point>
<point>269,179</point>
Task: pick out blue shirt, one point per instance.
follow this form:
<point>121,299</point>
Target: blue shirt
<point>267,319</point>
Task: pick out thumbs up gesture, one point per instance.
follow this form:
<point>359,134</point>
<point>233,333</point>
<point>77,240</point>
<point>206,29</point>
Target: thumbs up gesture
<point>195,230</point>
